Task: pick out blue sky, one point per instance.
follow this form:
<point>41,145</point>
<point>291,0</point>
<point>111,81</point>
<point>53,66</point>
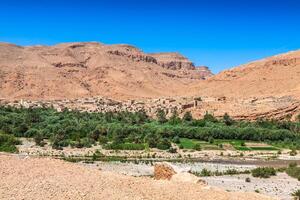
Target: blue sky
<point>216,33</point>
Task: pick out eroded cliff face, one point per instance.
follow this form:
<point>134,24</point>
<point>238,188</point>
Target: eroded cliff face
<point>173,61</point>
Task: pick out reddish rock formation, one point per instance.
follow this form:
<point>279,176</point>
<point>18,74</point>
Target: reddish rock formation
<point>163,171</point>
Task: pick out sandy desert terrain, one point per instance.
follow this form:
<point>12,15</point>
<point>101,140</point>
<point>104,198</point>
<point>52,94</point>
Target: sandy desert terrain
<point>44,178</point>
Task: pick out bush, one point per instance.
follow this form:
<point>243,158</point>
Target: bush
<point>176,140</point>
<point>211,140</point>
<point>205,172</point>
<point>263,172</point>
<point>197,147</point>
<point>293,152</point>
<point>8,142</point>
<point>293,164</point>
<point>39,140</point>
<point>161,116</point>
<point>293,171</point>
<point>209,118</point>
<point>163,144</point>
<point>247,180</point>
<point>227,120</point>
<point>172,150</point>
<point>187,116</point>
<point>231,172</point>
<point>296,194</point>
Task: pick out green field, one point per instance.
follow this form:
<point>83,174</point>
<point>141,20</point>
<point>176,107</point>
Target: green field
<point>188,143</point>
<point>191,143</point>
<point>237,144</point>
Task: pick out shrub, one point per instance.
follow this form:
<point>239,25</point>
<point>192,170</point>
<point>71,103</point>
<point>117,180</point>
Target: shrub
<point>161,116</point>
<point>172,150</point>
<point>293,152</point>
<point>8,142</point>
<point>247,180</point>
<point>293,164</point>
<point>211,140</point>
<point>205,172</point>
<point>293,171</point>
<point>209,118</point>
<point>176,140</point>
<point>102,139</point>
<point>227,120</point>
<point>39,140</point>
<point>231,172</point>
<point>263,172</point>
<point>296,194</point>
<point>187,116</point>
<point>197,147</point>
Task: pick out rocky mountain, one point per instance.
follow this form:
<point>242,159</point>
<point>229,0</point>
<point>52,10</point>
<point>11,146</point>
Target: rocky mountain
<point>274,76</point>
<point>74,70</point>
<point>265,88</point>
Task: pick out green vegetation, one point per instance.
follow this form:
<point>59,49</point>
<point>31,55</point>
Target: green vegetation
<point>217,144</point>
<point>8,142</point>
<point>205,172</point>
<point>296,194</point>
<point>293,171</point>
<point>125,130</point>
<point>188,143</point>
<point>263,172</point>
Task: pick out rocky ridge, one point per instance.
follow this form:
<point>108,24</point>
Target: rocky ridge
<point>267,88</point>
<point>73,70</point>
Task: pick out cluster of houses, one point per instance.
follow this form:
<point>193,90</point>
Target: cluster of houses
<point>102,104</point>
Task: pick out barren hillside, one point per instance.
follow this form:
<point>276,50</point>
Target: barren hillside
<point>73,70</point>
<point>274,76</point>
<point>265,88</point>
<point>44,178</point>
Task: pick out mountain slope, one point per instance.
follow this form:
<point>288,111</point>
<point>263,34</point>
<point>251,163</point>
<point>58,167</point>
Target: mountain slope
<point>274,76</point>
<point>74,70</point>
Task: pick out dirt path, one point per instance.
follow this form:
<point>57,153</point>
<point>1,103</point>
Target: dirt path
<point>45,178</point>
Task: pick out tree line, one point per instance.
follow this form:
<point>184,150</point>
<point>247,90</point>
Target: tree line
<point>127,130</point>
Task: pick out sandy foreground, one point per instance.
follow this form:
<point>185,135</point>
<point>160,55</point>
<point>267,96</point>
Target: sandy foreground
<point>45,178</point>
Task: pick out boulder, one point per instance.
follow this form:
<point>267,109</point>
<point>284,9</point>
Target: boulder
<point>167,171</point>
<point>163,171</point>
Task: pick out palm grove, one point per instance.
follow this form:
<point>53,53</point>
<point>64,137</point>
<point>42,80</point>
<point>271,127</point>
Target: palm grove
<point>127,130</point>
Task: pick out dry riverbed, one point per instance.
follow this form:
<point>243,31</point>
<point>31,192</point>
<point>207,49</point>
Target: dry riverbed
<point>280,186</point>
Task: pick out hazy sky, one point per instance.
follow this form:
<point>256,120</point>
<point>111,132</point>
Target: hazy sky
<point>219,34</point>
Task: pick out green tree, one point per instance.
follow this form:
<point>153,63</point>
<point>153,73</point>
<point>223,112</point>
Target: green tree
<point>227,119</point>
<point>174,119</point>
<point>161,116</point>
<point>188,116</point>
<point>39,140</point>
<point>209,118</point>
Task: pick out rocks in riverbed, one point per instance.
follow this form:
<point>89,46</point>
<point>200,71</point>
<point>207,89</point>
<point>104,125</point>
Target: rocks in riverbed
<point>166,171</point>
<point>163,171</point>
